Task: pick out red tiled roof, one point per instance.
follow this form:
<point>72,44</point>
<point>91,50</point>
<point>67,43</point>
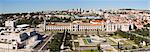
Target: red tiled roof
<point>98,20</point>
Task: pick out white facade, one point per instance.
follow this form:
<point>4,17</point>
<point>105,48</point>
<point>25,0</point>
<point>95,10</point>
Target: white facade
<point>115,26</point>
<point>7,46</point>
<point>109,27</point>
<point>10,23</point>
<point>73,27</point>
<point>15,40</point>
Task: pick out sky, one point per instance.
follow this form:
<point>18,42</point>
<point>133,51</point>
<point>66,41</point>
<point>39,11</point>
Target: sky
<point>12,6</point>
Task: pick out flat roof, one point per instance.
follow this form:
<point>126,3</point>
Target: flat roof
<point>23,25</point>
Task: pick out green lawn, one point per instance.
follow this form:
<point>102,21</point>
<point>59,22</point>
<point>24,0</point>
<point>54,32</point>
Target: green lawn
<point>116,36</point>
<point>85,41</point>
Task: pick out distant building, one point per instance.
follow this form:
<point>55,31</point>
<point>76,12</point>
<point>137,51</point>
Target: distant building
<point>72,27</point>
<point>117,26</point>
<point>88,17</point>
<point>93,26</point>
<point>10,23</point>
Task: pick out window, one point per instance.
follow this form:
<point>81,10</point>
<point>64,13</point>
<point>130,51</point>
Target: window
<point>33,33</point>
<point>14,47</point>
<point>24,36</point>
<point>2,34</point>
<point>13,40</point>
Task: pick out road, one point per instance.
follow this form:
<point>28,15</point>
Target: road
<point>41,44</point>
<point>46,43</point>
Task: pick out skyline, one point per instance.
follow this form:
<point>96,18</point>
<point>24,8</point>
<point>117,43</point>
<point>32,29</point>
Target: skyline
<point>74,25</point>
<point>12,6</point>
